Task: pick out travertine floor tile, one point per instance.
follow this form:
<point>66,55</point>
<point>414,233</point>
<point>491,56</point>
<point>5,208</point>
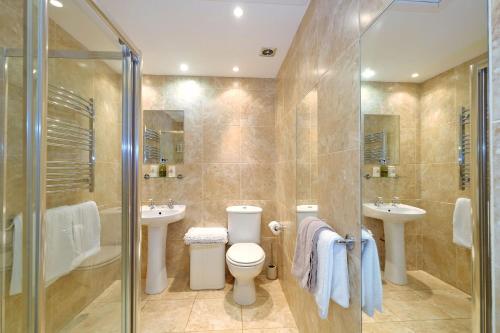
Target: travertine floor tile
<point>214,314</point>
<point>97,318</point>
<point>272,330</point>
<point>268,312</point>
<point>165,316</point>
<point>178,288</point>
<point>424,302</point>
<point>221,293</point>
<point>441,326</point>
<point>391,327</point>
<point>417,310</point>
<point>112,294</point>
<point>265,287</point>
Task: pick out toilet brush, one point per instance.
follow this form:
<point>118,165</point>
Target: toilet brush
<point>272,271</point>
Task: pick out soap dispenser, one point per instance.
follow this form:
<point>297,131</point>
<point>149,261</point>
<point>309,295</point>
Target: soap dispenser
<point>384,170</point>
<point>163,168</point>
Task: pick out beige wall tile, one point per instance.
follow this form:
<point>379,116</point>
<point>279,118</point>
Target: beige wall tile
<point>221,181</point>
<point>258,181</point>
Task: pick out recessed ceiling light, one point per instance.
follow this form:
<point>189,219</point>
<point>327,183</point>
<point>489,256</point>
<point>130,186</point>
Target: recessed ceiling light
<point>56,3</point>
<point>238,12</point>
<point>415,75</point>
<point>184,67</point>
<point>368,73</point>
<point>236,69</point>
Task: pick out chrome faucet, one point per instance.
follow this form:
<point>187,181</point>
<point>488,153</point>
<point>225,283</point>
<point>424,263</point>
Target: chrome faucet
<point>379,202</point>
<point>151,204</point>
<point>170,203</point>
<point>395,201</point>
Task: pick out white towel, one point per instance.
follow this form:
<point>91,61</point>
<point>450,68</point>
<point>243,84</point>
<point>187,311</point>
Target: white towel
<point>72,235</point>
<point>333,275</point>
<point>462,223</point>
<point>16,279</point>
<point>198,235</point>
<point>60,245</point>
<point>371,277</point>
<point>86,231</point>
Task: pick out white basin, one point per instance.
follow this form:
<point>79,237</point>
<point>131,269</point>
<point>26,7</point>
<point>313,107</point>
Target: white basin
<point>394,214</point>
<point>157,219</point>
<point>162,215</point>
<point>394,219</point>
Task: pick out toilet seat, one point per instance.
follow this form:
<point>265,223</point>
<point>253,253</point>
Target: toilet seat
<point>245,254</point>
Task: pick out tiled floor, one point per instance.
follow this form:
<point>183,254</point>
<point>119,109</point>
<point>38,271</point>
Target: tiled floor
<point>425,304</point>
<point>180,309</point>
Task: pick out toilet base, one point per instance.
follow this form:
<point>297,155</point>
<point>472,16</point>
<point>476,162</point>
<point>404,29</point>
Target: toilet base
<point>244,291</point>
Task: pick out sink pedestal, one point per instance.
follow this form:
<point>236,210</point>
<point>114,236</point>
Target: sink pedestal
<point>395,260</point>
<point>156,275</point>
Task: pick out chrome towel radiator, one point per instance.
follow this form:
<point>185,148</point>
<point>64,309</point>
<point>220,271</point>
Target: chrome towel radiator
<point>464,148</point>
<point>65,132</point>
<point>375,147</point>
<point>151,145</point>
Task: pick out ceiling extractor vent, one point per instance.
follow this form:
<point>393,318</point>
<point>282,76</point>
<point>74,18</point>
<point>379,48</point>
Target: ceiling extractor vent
<point>267,52</point>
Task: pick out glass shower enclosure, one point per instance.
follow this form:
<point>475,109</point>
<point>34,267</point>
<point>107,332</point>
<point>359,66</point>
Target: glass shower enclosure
<point>69,120</point>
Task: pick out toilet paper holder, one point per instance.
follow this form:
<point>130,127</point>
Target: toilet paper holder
<point>276,226</point>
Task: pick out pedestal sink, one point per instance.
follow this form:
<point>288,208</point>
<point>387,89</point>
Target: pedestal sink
<point>157,219</point>
<point>394,218</point>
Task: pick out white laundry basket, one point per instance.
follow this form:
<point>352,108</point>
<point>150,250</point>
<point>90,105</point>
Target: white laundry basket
<point>207,247</point>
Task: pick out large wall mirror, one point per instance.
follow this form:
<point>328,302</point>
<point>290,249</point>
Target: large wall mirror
<point>422,71</point>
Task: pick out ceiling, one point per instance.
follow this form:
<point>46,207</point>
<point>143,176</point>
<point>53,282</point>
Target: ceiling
<point>206,35</point>
<point>424,38</point>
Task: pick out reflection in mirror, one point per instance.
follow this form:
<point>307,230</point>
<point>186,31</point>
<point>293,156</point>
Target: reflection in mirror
<point>420,65</point>
<point>307,156</point>
<point>163,141</point>
<point>381,139</point>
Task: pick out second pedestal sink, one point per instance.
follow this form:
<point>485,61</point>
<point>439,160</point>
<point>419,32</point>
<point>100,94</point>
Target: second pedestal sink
<point>157,219</point>
<point>394,218</point>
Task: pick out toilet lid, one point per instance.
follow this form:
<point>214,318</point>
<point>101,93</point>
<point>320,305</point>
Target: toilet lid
<point>245,253</point>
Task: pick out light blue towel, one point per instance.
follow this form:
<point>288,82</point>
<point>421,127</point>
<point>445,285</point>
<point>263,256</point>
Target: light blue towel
<point>371,277</point>
<point>333,274</point>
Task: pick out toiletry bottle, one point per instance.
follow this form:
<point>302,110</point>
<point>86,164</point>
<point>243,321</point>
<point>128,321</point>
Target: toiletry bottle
<point>171,171</point>
<point>376,171</point>
<point>384,170</point>
<point>391,171</point>
<point>163,168</point>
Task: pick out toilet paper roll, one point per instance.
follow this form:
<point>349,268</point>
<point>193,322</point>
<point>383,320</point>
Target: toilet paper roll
<point>275,227</point>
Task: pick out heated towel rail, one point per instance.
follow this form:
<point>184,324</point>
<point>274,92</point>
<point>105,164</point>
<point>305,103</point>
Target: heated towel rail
<point>464,147</point>
<point>375,147</point>
<point>76,170</point>
<point>151,145</point>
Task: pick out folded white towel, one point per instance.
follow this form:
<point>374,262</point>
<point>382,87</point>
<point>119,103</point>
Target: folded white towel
<point>462,223</point>
<point>371,277</point>
<point>199,235</point>
<point>72,235</point>
<point>60,250</point>
<point>86,231</point>
<point>332,272</point>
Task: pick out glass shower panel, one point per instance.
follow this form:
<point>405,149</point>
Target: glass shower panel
<point>13,182</point>
<point>83,268</point>
<point>13,307</point>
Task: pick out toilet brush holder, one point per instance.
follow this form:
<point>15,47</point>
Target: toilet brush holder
<point>272,272</point>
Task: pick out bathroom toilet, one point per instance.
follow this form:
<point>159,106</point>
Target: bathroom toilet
<point>245,258</point>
